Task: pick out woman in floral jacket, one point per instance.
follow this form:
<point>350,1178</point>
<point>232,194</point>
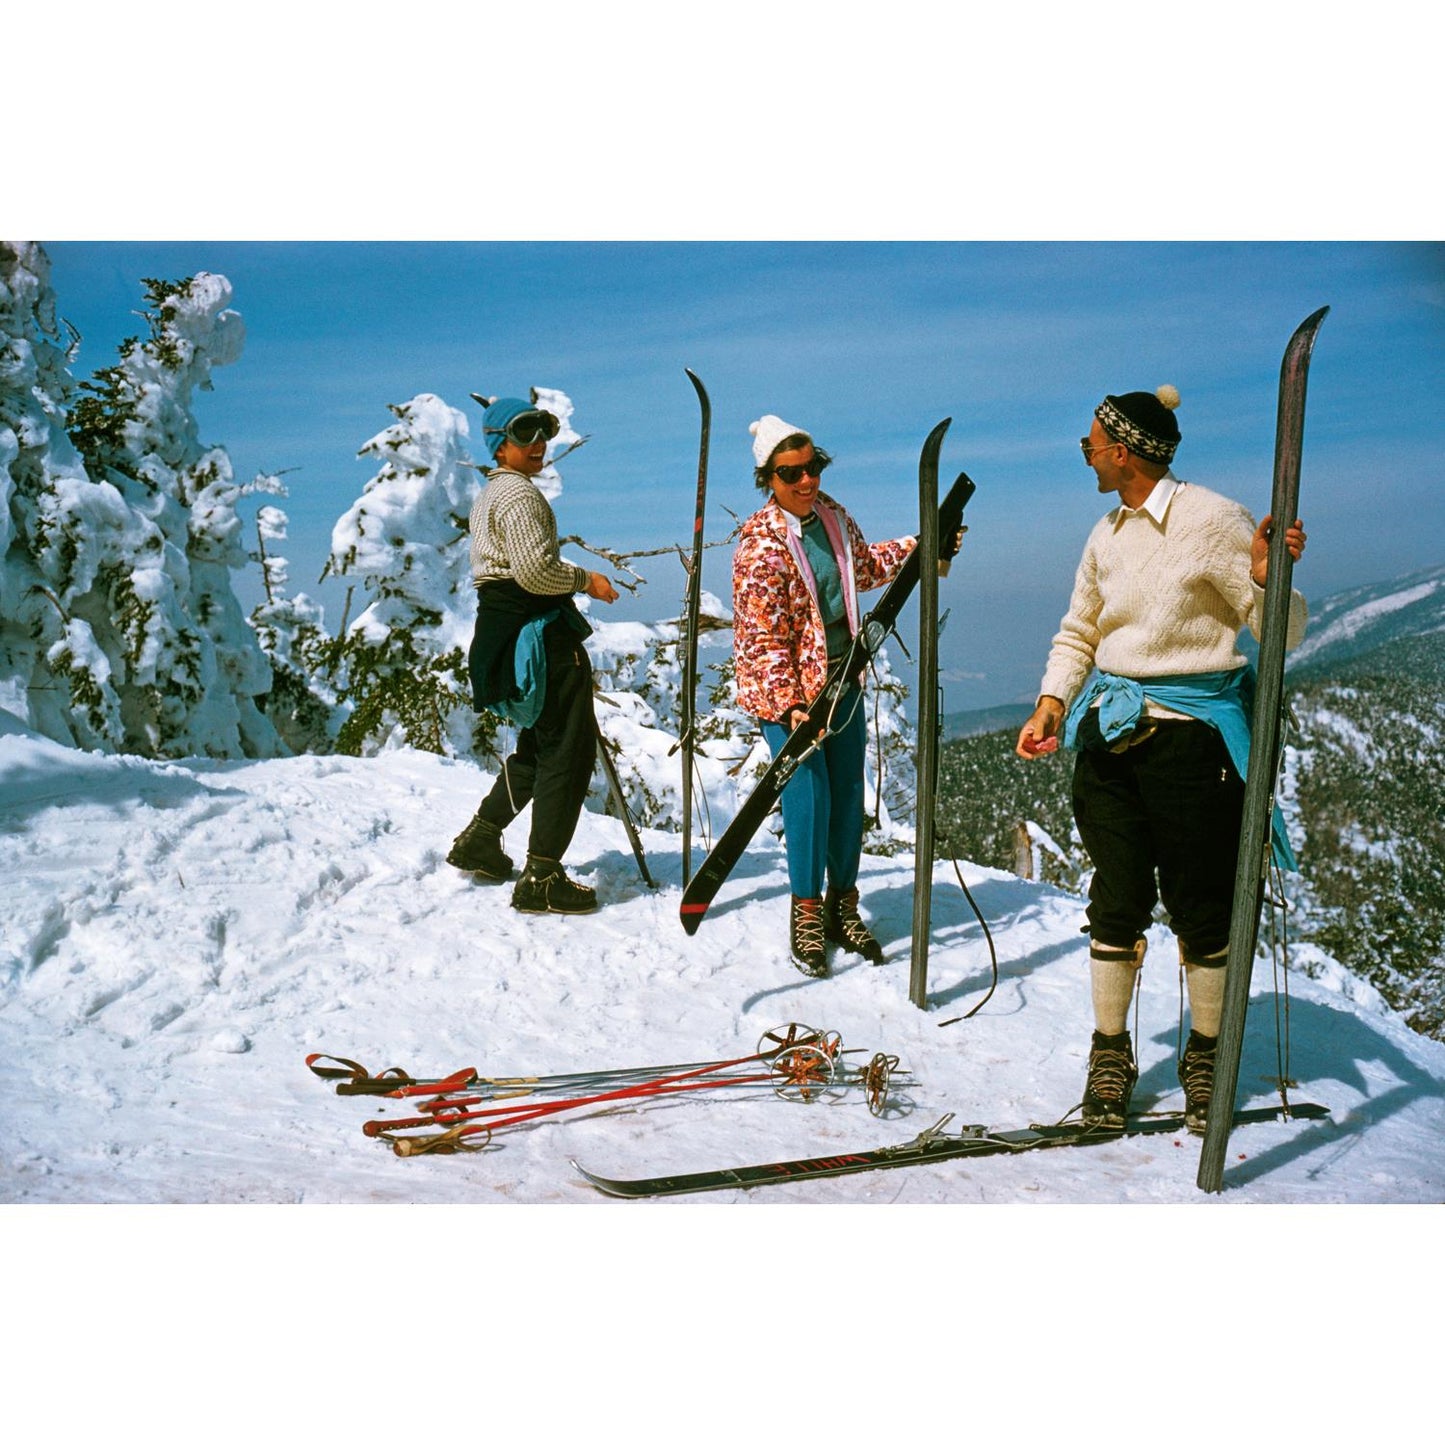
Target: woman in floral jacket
<point>800,565</point>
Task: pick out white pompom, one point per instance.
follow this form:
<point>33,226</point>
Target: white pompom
<point>753,427</point>
<point>1168,395</point>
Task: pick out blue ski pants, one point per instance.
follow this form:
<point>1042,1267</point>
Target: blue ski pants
<point>823,803</point>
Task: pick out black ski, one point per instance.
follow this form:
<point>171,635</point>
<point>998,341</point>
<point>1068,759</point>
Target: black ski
<point>614,786</point>
<point>697,897</point>
<point>1264,751</point>
<point>692,604</point>
<point>926,754</point>
<point>929,1147</point>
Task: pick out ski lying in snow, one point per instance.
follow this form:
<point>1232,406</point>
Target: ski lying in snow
<point>697,897</point>
<point>1266,732</point>
<point>930,1146</point>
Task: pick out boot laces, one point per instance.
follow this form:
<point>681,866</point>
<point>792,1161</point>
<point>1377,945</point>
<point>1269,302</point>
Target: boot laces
<point>1111,1075</point>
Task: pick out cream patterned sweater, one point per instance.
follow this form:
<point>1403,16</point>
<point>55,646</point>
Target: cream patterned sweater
<point>1162,590</point>
<point>514,535</point>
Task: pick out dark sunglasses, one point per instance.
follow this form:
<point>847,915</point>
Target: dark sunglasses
<point>791,476</point>
<point>529,427</point>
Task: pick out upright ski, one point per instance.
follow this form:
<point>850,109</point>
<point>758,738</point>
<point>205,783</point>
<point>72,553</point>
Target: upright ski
<point>1264,752</point>
<point>697,897</point>
<point>614,786</point>
<point>929,1147</point>
<point>926,756</point>
<point>688,720</point>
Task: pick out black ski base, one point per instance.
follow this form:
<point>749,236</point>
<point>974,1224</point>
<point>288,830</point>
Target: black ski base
<point>929,1147</point>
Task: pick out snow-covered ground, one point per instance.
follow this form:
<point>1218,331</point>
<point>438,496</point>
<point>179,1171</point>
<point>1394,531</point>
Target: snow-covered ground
<point>177,937</point>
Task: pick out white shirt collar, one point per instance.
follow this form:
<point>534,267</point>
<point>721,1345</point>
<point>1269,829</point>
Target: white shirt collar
<point>1157,502</point>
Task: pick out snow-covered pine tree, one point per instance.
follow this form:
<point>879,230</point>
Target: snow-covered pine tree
<point>42,481</point>
<point>400,668</point>
<point>302,707</point>
<point>121,630</point>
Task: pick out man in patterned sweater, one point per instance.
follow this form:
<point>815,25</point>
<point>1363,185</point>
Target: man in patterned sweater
<point>1167,581</point>
<point>528,664</point>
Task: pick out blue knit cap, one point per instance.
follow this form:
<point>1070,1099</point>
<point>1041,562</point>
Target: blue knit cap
<point>498,414</point>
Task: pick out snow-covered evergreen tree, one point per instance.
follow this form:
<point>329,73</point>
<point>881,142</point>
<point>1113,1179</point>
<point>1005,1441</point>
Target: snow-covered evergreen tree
<point>41,480</point>
<point>401,666</point>
<point>122,629</point>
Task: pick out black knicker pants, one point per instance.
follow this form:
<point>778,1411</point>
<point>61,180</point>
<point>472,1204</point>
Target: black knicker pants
<point>551,767</point>
<point>1170,804</point>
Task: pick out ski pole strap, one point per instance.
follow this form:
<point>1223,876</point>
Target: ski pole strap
<point>349,1070</point>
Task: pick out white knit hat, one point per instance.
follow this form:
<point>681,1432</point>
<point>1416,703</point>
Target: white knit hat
<point>767,432</point>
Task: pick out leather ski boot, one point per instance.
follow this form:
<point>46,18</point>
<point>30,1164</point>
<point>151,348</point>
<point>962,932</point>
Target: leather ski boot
<point>843,925</point>
<point>1111,1079</point>
<point>478,849</point>
<point>545,888</point>
<point>1196,1077</point>
<point>805,937</point>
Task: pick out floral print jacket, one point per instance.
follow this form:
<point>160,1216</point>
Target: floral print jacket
<point>779,647</point>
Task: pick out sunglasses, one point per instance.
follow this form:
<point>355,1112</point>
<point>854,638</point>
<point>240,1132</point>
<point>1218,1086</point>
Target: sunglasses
<point>1089,451</point>
<point>529,427</point>
<point>791,476</point>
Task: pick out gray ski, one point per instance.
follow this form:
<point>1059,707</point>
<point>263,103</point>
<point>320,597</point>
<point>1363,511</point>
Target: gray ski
<point>1264,752</point>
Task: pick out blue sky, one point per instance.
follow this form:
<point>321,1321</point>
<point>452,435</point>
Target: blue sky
<point>866,344</point>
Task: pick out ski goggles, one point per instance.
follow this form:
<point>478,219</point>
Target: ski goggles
<point>792,475</point>
<point>529,427</point>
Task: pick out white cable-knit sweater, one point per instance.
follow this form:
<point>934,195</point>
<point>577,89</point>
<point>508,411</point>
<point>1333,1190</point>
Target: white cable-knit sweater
<point>1161,596</point>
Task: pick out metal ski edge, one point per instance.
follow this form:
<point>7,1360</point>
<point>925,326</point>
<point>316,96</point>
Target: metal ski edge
<point>927,1148</point>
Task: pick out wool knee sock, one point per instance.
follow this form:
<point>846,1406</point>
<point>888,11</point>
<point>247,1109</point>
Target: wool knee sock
<point>1113,973</point>
<point>1206,998</point>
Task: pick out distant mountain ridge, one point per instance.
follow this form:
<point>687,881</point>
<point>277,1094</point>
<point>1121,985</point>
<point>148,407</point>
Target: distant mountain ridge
<point>1349,624</point>
<point>1363,789</point>
<point>971,722</point>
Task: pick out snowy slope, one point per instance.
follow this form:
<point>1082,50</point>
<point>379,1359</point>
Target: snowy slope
<point>179,936</point>
<point>1346,624</point>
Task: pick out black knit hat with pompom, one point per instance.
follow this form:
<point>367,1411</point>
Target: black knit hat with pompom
<point>1143,421</point>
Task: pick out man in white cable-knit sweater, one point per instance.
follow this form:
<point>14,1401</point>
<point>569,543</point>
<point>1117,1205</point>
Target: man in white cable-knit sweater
<point>528,664</point>
<point>1167,581</point>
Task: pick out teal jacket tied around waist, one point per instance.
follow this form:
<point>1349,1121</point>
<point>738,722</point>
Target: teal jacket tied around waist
<point>1224,700</point>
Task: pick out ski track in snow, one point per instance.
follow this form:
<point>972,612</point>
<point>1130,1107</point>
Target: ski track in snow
<point>178,936</point>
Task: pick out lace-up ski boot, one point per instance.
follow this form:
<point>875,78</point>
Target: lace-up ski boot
<point>805,937</point>
<point>478,849</point>
<point>545,888</point>
<point>843,925</point>
<point>1111,1079</point>
<point>1196,1076</point>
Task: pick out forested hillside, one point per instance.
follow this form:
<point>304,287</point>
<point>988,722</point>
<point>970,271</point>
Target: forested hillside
<point>1364,790</point>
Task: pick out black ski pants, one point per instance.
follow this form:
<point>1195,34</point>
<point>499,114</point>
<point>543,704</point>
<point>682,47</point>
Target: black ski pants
<point>1169,805</point>
<point>551,767</point>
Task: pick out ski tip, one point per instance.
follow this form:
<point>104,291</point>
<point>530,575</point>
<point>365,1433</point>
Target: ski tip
<point>691,915</point>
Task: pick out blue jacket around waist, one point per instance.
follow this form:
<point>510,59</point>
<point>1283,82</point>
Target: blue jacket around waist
<point>1224,700</point>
